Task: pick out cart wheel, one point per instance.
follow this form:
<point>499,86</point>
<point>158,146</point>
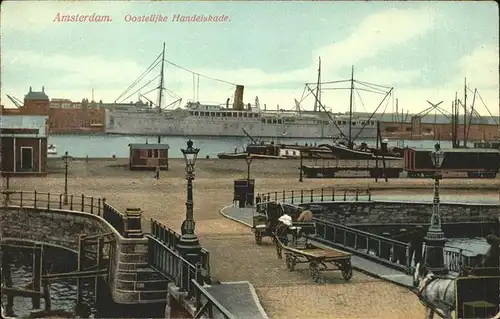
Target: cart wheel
<point>258,238</point>
<point>290,263</point>
<point>347,270</point>
<point>314,271</point>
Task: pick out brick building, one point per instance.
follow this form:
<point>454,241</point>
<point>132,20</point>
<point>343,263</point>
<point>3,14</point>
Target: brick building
<point>63,116</point>
<point>23,143</point>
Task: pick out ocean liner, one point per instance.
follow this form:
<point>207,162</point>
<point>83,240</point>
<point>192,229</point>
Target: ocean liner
<point>232,119</point>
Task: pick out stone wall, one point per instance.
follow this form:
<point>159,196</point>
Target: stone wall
<point>132,281</point>
<point>381,212</point>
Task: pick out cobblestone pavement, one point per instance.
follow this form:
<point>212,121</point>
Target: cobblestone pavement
<point>234,255</point>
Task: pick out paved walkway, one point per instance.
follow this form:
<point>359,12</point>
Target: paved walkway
<point>244,216</point>
<point>239,298</point>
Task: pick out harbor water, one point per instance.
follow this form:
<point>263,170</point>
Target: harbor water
<point>102,145</point>
<point>63,292</point>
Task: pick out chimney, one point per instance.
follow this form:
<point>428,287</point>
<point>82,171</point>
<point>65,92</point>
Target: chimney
<point>238,98</point>
<point>30,88</point>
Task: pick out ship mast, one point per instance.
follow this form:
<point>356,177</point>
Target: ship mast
<point>350,109</point>
<point>465,112</point>
<point>161,84</point>
<point>318,87</point>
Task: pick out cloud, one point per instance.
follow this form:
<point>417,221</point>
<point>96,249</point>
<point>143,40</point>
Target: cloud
<point>481,66</point>
<point>377,33</point>
<point>74,76</point>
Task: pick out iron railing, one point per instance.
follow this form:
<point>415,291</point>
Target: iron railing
<point>81,203</point>
<point>171,238</point>
<point>317,195</point>
<point>187,277</point>
<point>390,252</point>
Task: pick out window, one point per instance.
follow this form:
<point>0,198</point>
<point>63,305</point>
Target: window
<point>153,153</point>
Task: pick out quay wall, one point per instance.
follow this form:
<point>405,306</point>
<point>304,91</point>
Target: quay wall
<point>131,280</point>
<point>387,212</point>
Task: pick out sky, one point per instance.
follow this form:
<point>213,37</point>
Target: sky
<point>423,50</point>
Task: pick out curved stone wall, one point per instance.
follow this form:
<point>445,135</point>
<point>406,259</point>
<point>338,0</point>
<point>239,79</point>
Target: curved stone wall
<point>131,280</point>
<point>381,212</point>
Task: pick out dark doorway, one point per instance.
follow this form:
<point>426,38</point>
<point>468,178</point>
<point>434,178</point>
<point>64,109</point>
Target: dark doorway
<point>26,158</point>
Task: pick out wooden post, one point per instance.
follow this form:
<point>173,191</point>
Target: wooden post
<point>100,265</point>
<point>37,275</point>
<point>7,279</point>
<point>48,200</point>
<point>45,287</point>
<point>34,200</point>
<point>83,203</point>
<point>80,267</point>
<point>71,202</point>
<point>92,205</point>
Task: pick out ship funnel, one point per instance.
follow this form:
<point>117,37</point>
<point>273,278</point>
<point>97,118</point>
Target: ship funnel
<point>238,98</point>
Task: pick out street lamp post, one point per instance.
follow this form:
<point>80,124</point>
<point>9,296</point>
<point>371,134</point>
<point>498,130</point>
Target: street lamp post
<point>189,246</point>
<point>248,159</point>
<point>66,159</point>
<point>434,239</point>
<point>300,168</point>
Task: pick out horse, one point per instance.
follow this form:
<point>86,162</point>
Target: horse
<point>435,292</point>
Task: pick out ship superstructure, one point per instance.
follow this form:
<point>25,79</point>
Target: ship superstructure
<point>233,119</point>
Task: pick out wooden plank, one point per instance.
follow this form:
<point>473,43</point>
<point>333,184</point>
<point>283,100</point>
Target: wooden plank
<point>76,274</point>
<point>19,292</point>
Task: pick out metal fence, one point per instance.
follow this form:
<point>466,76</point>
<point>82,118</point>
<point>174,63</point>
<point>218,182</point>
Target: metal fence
<point>81,203</point>
<point>189,278</point>
<point>317,195</point>
<point>171,238</point>
<point>390,252</point>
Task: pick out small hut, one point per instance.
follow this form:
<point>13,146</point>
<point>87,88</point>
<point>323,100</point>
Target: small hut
<point>148,156</point>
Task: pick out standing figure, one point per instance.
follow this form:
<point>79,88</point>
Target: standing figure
<point>416,244</point>
<point>157,172</point>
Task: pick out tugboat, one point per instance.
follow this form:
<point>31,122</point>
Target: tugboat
<point>51,149</point>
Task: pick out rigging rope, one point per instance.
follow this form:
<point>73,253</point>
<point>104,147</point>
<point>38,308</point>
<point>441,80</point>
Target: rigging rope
<point>142,87</point>
<point>203,76</point>
<point>148,69</point>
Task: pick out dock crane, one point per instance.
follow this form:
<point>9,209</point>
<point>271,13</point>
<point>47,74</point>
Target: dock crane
<point>16,102</point>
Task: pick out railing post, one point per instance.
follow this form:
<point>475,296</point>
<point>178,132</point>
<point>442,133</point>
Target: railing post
<point>92,205</point>
<point>301,196</point>
<point>345,194</point>
<point>99,206</point>
<point>21,199</point>
<point>292,196</point>
<point>103,203</point>
<point>369,195</point>
<point>83,203</point>
<point>34,200</point>
<point>60,201</point>
<point>48,200</point>
<point>284,195</point>
<point>321,193</point>
<point>460,262</point>
<point>275,196</point>
<point>357,194</point>
<point>71,202</point>
<point>333,194</point>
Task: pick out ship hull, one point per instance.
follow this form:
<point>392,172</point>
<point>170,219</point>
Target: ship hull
<point>153,124</point>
